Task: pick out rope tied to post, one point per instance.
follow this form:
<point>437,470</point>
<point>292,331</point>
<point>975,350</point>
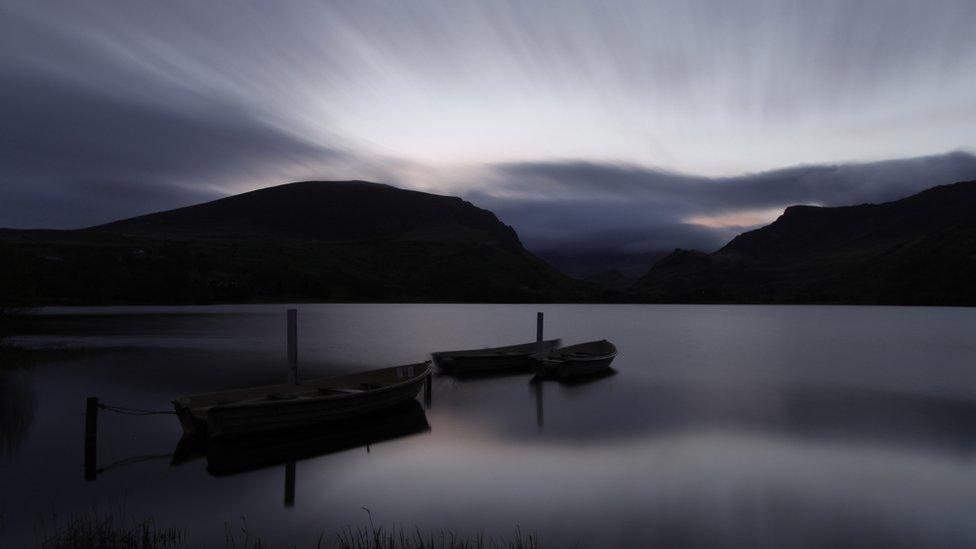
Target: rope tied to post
<point>131,461</point>
<point>133,411</point>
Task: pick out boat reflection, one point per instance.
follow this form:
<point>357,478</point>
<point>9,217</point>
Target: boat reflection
<point>18,404</point>
<point>538,381</point>
<point>586,379</point>
<point>237,454</point>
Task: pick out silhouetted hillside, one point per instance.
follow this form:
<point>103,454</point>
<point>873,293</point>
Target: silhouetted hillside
<point>312,240</point>
<point>319,210</point>
<point>918,250</point>
<point>610,269</point>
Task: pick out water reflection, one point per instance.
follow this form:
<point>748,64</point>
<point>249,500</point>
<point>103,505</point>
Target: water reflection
<point>577,381</point>
<point>238,454</point>
<point>243,453</point>
<point>537,385</point>
<point>18,404</point>
<point>938,422</point>
<point>577,409</point>
<point>538,382</point>
<point>723,426</point>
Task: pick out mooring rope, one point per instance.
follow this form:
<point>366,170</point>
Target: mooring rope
<point>133,411</point>
<point>131,461</point>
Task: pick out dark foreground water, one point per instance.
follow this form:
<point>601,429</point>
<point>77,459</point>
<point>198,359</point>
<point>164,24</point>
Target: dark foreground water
<point>724,426</point>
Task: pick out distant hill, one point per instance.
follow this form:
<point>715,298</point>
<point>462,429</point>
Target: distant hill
<point>920,250</point>
<point>324,211</point>
<point>315,240</point>
<point>610,269</point>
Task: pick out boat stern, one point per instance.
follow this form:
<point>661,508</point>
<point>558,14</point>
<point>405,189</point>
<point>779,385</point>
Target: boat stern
<point>192,426</point>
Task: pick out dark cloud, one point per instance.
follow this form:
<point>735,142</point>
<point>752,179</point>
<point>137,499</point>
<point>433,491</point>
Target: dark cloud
<point>586,205</point>
<point>72,204</point>
<point>110,108</point>
<point>594,224</point>
<point>90,133</point>
<point>72,156</point>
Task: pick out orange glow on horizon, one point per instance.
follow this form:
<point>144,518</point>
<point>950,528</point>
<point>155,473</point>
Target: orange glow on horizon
<point>744,218</point>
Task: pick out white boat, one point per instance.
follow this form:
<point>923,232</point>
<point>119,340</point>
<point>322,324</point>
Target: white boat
<point>491,359</point>
<point>290,405</point>
<point>576,360</point>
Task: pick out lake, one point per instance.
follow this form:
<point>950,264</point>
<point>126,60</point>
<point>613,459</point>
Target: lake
<point>724,426</point>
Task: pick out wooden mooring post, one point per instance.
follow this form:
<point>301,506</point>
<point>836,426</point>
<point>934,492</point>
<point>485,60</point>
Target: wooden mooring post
<point>91,438</point>
<point>293,345</point>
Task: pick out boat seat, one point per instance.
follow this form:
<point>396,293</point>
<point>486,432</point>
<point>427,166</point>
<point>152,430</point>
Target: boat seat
<point>340,390</point>
<point>281,396</point>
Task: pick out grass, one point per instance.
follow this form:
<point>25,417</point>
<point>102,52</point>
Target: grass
<point>373,537</point>
<point>367,537</point>
<point>96,530</point>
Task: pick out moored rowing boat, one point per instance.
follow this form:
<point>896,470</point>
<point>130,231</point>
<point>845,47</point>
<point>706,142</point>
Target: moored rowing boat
<point>577,360</point>
<point>491,359</point>
<point>290,405</point>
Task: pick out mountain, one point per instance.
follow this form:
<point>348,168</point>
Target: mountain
<point>324,210</point>
<point>315,240</point>
<point>613,270</point>
<point>919,250</point>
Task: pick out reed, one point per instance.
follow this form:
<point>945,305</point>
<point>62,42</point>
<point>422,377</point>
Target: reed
<point>95,530</point>
<point>367,537</point>
<point>247,540</point>
<point>378,537</point>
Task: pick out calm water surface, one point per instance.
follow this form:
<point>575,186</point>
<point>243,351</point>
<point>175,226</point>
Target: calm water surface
<point>724,425</point>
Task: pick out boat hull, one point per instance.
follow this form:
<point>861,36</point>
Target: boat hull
<point>289,406</point>
<point>569,368</point>
<point>253,418</point>
<point>514,357</point>
<point>583,359</point>
<point>465,365</point>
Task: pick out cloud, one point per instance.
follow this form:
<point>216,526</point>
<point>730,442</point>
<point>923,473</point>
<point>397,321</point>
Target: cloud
<point>72,156</point>
<point>589,205</point>
<point>94,127</point>
<point>111,108</point>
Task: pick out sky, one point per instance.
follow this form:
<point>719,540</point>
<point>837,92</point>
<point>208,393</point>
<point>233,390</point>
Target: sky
<point>586,125</point>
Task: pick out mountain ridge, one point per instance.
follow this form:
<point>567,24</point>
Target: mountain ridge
<point>919,250</point>
<point>362,241</point>
<point>319,210</point>
<point>313,240</point>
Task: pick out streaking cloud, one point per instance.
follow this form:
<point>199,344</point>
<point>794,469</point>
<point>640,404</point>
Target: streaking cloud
<point>590,206</point>
<point>556,113</point>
